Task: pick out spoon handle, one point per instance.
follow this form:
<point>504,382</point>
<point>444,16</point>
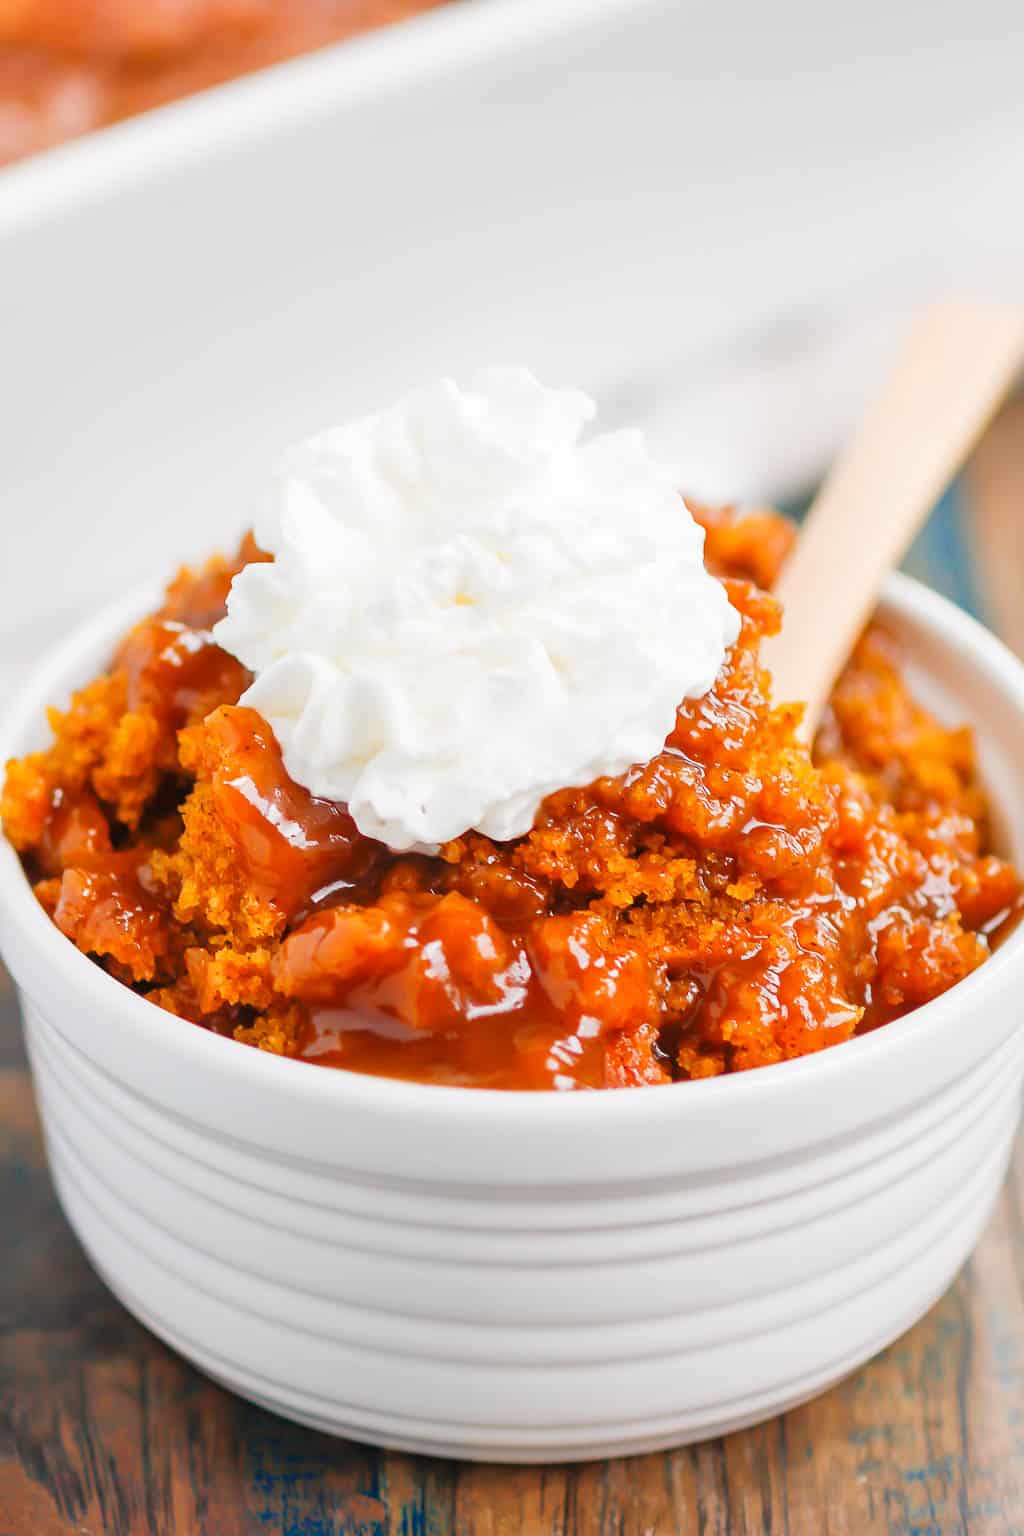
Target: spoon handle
<point>958,363</point>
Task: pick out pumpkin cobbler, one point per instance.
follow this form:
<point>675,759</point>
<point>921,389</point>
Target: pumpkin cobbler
<point>730,904</point>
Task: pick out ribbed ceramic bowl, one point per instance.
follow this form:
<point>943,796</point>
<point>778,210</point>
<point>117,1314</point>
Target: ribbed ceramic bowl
<point>529,1277</point>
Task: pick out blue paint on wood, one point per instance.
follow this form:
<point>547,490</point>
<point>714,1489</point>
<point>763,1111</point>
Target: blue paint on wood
<point>941,555</point>
<point>293,1492</point>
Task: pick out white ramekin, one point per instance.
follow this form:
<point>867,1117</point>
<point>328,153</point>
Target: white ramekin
<point>529,1277</point>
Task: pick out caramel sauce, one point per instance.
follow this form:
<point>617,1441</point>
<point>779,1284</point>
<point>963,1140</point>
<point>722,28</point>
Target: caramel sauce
<point>176,672</point>
<point>297,850</point>
<point>434,988</point>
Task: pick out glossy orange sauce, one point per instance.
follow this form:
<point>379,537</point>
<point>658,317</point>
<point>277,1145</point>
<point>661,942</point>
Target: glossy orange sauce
<point>727,905</point>
<point>68,66</point>
<point>298,851</point>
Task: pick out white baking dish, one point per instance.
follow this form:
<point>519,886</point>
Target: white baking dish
<point>707,214</point>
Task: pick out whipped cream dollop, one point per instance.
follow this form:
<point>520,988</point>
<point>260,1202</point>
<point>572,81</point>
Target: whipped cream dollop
<point>469,607</point>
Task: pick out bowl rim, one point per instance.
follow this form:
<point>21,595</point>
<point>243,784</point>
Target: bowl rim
<point>27,925</point>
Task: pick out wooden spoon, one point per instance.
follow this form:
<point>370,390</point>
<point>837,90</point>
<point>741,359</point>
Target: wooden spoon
<point>957,365</point>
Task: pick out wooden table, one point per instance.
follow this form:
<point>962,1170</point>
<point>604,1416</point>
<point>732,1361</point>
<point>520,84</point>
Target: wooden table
<point>104,1430</point>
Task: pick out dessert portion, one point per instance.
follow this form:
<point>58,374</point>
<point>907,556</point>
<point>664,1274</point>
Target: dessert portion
<point>66,68</point>
<point>719,902</point>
